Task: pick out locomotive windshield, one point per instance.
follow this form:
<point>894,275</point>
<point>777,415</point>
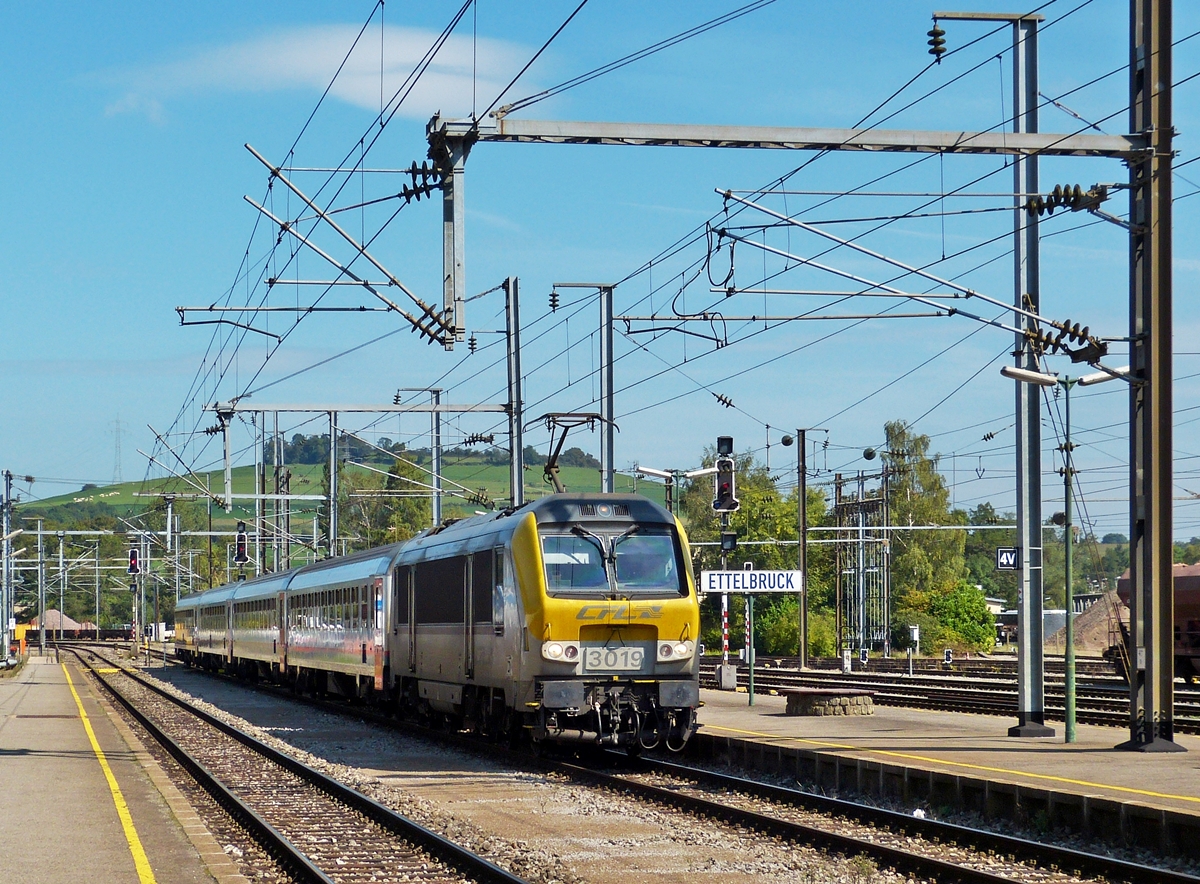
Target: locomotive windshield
<point>635,562</point>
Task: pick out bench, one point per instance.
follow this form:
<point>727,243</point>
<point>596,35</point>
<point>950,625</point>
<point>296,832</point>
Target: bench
<point>828,701</point>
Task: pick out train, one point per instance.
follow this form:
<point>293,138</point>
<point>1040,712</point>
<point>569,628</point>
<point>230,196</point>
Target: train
<point>1186,579</point>
<point>573,618</point>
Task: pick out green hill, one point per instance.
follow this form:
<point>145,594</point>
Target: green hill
<point>133,498</point>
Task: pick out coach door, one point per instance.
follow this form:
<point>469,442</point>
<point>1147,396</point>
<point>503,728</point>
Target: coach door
<point>410,579</point>
<point>374,621</point>
<point>229,631</point>
<point>281,640</point>
<point>468,624</point>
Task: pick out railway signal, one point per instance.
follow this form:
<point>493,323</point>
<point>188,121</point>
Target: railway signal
<point>135,564</point>
<point>724,490</point>
<point>239,545</point>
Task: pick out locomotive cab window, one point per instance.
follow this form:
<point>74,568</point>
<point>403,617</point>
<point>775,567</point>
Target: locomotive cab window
<point>573,564</point>
<point>639,562</point>
<point>647,563</point>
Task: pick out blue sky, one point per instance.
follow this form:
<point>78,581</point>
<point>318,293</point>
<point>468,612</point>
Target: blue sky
<point>125,170</point>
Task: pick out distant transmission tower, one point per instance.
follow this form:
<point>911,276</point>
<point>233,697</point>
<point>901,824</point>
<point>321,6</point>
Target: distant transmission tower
<point>118,429</point>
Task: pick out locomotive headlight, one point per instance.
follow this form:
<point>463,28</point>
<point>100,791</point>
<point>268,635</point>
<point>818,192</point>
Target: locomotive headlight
<point>675,650</point>
<point>561,652</point>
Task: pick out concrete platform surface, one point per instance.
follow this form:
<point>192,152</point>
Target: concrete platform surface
<point>61,824</point>
<point>974,746</point>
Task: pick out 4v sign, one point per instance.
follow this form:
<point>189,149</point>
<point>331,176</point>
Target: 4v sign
<point>1008,558</point>
<point>751,581</point>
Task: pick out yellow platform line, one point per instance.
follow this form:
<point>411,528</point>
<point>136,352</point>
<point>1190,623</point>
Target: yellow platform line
<point>945,762</point>
<point>140,862</point>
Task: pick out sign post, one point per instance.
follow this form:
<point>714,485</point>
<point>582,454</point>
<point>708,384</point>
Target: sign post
<point>749,583</point>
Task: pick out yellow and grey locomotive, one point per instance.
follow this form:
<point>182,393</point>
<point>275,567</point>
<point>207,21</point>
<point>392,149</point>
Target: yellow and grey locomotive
<point>574,617</point>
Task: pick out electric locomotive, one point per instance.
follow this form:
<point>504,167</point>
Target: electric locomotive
<point>572,618</point>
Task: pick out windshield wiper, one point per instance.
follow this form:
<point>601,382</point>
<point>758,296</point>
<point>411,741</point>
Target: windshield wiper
<point>598,541</point>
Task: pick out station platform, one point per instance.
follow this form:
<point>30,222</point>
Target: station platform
<point>67,818</point>
<point>968,762</point>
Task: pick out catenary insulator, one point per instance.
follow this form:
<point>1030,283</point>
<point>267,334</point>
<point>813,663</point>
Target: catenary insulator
<point>937,42</point>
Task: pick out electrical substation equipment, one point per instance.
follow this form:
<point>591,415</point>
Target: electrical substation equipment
<point>239,545</point>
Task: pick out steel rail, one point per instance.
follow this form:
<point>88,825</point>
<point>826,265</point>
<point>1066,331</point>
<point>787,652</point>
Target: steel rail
<point>973,695</point>
<point>937,869</point>
<point>1044,855</point>
<point>440,847</point>
<point>264,834</point>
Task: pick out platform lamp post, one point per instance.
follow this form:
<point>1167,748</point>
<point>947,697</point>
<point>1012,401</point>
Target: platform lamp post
<point>1050,380</point>
<point>800,441</point>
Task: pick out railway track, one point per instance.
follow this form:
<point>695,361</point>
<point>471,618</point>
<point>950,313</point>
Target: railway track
<point>916,847</point>
<point>999,667</point>
<point>960,852</point>
<point>316,828</point>
<point>1101,702</point>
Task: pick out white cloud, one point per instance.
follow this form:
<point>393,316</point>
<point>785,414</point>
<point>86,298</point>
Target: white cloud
<point>132,103</point>
<point>306,58</point>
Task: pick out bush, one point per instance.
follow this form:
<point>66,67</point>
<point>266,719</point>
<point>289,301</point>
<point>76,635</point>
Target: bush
<point>776,629</point>
<point>821,639</point>
<point>933,635</point>
<point>963,611</point>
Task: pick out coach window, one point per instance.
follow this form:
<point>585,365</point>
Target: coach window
<point>482,570</point>
<point>497,587</point>
<point>400,578</point>
<point>505,587</point>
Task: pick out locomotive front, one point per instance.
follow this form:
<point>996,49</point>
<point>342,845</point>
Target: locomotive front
<point>613,619</point>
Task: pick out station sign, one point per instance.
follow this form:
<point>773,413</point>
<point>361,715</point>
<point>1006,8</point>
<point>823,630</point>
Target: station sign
<point>1008,558</point>
<point>751,581</point>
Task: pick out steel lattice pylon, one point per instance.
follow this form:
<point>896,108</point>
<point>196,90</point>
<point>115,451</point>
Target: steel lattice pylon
<point>863,568</point>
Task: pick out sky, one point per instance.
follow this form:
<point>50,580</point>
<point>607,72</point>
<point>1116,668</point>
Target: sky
<point>125,172</point>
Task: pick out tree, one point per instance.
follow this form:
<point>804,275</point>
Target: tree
<point>1186,553</point>
<point>964,613</point>
<point>764,515</point>
<point>979,553</point>
<point>924,563</point>
<point>577,457</point>
<point>411,514</point>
